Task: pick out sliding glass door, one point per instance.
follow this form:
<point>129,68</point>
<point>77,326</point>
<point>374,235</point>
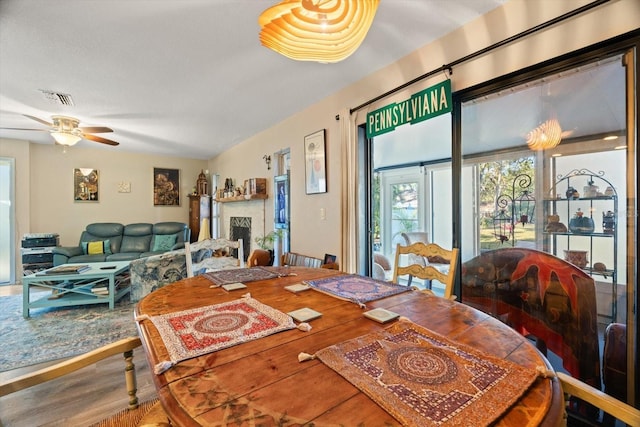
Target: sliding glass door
<point>548,165</point>
<point>411,188</point>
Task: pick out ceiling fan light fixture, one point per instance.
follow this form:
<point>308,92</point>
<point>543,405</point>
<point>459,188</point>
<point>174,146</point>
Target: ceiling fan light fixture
<point>66,138</point>
<point>324,31</point>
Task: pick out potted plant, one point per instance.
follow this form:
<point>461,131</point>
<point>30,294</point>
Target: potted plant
<point>266,242</point>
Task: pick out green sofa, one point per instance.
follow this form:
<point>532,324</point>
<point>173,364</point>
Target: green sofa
<point>109,241</point>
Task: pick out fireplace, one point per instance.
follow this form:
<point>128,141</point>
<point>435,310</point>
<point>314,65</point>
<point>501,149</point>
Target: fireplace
<point>240,228</point>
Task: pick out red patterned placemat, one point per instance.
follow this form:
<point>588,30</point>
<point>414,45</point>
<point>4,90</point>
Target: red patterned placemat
<point>242,275</point>
<point>198,331</point>
<point>423,379</point>
<point>356,288</point>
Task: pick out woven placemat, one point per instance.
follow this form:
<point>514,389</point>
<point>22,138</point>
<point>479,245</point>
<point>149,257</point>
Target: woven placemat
<point>356,288</point>
<point>423,379</point>
<point>197,331</point>
<point>242,275</point>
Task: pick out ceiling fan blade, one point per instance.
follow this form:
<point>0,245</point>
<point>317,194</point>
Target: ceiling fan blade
<point>99,139</point>
<point>95,129</point>
<point>37,130</point>
<point>44,122</point>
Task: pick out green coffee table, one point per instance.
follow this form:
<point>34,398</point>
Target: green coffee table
<point>78,288</point>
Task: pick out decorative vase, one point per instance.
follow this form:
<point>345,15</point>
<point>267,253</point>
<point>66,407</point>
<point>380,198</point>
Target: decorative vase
<point>580,224</point>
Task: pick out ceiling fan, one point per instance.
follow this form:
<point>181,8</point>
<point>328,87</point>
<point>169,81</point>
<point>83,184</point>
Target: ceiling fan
<point>65,130</point>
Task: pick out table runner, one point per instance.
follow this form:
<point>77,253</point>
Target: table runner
<point>224,277</point>
<point>356,288</point>
<point>423,379</point>
<point>194,332</point>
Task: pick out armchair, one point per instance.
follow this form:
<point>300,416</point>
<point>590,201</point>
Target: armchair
<point>153,272</point>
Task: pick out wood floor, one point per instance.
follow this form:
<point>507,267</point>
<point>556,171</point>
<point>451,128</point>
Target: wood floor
<point>78,399</point>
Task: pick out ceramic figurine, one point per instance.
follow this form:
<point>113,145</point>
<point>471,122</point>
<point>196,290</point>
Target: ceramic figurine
<point>577,258</point>
<point>572,193</point>
<point>554,225</point>
<point>608,222</point>
<point>590,190</point>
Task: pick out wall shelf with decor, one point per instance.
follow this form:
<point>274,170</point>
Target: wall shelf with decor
<point>244,198</point>
<point>582,226</point>
<point>253,189</point>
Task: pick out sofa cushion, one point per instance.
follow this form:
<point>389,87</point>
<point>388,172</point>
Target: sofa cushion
<point>124,256</point>
<point>96,247</point>
<point>89,258</point>
<point>103,231</point>
<point>180,229</point>
<point>136,237</point>
<point>164,242</point>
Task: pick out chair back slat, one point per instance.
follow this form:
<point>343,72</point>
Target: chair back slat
<point>425,269</point>
<point>209,260</point>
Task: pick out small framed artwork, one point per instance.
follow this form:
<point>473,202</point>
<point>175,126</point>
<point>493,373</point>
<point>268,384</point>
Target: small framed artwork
<point>330,259</point>
<point>282,201</point>
<point>315,163</point>
<point>85,185</point>
<point>166,187</point>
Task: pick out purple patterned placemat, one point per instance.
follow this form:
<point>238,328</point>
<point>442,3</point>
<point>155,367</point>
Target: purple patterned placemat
<point>424,379</point>
<point>356,288</point>
<point>242,275</point>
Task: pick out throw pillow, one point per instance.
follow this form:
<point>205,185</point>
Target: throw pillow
<point>97,247</point>
<point>164,242</point>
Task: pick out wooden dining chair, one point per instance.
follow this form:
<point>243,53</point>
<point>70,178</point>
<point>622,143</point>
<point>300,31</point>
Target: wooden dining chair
<point>259,257</point>
<point>427,271</point>
<point>612,406</point>
<point>212,254</point>
<point>331,266</point>
<point>124,346</point>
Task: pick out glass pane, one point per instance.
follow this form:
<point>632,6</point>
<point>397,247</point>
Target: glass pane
<point>543,231</point>
<point>411,189</point>
<point>404,208</point>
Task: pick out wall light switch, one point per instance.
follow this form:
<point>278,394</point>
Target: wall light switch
<point>323,214</point>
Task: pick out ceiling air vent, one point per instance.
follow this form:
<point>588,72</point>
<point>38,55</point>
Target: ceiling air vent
<point>57,98</point>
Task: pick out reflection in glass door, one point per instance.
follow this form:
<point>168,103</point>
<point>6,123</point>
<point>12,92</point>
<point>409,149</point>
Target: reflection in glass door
<point>566,132</point>
<point>397,207</point>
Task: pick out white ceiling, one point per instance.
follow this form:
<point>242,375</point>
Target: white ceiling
<point>184,77</point>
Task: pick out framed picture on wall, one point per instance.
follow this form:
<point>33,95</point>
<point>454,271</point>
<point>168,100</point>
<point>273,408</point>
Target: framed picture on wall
<point>85,185</point>
<point>166,187</point>
<point>315,163</point>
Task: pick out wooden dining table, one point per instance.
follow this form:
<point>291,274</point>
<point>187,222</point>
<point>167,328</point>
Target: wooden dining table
<point>261,382</point>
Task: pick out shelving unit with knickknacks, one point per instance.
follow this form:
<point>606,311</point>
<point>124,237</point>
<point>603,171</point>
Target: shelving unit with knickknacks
<point>581,226</point>
<point>253,189</point>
